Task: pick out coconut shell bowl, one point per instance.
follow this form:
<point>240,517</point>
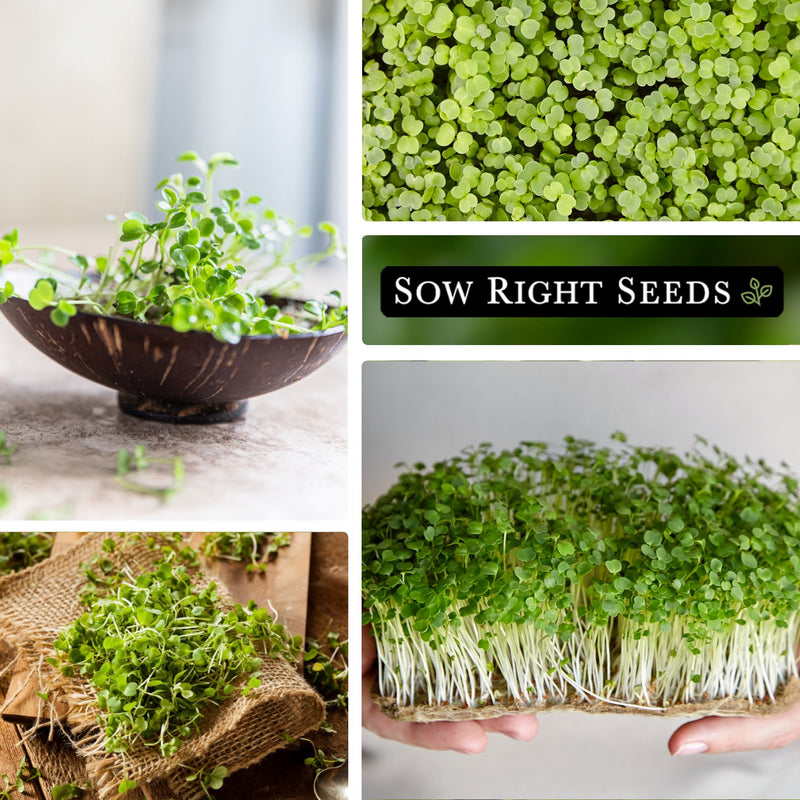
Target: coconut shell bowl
<point>167,376</point>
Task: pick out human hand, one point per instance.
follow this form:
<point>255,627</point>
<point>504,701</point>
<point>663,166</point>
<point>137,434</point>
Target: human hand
<point>464,737</point>
<point>736,734</point>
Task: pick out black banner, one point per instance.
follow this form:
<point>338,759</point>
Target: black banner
<point>472,291</point>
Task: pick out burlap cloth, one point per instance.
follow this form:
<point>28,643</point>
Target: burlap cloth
<point>36,604</point>
<point>787,696</point>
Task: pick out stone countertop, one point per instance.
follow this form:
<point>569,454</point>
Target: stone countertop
<point>287,460</point>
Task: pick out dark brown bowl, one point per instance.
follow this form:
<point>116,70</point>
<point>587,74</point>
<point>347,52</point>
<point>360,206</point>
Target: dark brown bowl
<point>165,375</point>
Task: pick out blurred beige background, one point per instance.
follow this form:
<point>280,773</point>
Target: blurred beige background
<point>98,98</point>
<point>77,99</point>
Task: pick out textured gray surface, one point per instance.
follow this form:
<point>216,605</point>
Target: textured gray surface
<point>286,461</point>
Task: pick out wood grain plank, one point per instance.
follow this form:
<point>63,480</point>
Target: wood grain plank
<point>64,541</point>
<point>24,706</point>
<point>11,754</point>
<point>283,585</point>
<point>290,589</point>
<point>57,762</point>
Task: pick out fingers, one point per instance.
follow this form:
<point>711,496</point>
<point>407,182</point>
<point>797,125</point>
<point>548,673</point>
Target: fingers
<point>464,737</point>
<point>522,727</point>
<point>369,652</point>
<point>735,734</point>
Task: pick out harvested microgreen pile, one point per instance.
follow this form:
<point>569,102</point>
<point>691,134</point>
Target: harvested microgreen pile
<point>21,550</point>
<point>254,549</point>
<point>597,109</point>
<point>203,264</point>
<point>159,651</point>
<point>629,574</point>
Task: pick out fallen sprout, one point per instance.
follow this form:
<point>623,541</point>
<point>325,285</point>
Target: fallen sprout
<point>68,791</point>
<point>254,549</point>
<point>137,460</point>
<point>15,784</point>
<point>209,779</point>
<point>6,450</point>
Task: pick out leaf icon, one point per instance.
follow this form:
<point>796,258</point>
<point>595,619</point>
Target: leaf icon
<point>749,298</point>
<point>754,284</point>
<point>766,290</point>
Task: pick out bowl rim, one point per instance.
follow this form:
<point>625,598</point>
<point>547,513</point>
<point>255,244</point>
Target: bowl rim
<point>124,321</point>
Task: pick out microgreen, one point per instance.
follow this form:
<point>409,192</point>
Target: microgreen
<point>137,460</point>
<point>6,450</point>
<point>254,549</point>
<point>631,574</point>
<point>209,779</point>
<point>205,263</point>
<point>21,550</point>
<point>555,110</point>
<point>127,786</point>
<point>158,650</point>
<point>16,783</point>
<point>320,761</point>
<point>68,791</point>
<point>326,668</point>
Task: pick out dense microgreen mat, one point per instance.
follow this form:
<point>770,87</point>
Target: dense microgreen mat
<point>203,264</point>
<point>159,650</point>
<point>630,574</point>
<point>594,109</point>
<point>21,550</point>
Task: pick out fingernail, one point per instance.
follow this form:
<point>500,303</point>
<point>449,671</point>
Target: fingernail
<point>691,748</point>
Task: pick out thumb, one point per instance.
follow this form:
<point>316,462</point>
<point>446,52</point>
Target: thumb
<point>736,734</point>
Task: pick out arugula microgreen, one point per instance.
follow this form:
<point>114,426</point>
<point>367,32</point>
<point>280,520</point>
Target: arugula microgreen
<point>137,460</point>
<point>209,779</point>
<point>6,450</point>
<point>68,791</point>
<point>254,549</point>
<point>158,650</point>
<point>21,550</point>
<point>633,575</point>
<point>16,783</point>
<point>326,668</point>
<point>205,264</point>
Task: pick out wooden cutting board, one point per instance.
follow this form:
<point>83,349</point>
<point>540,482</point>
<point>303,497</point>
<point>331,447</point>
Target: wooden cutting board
<point>283,586</point>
